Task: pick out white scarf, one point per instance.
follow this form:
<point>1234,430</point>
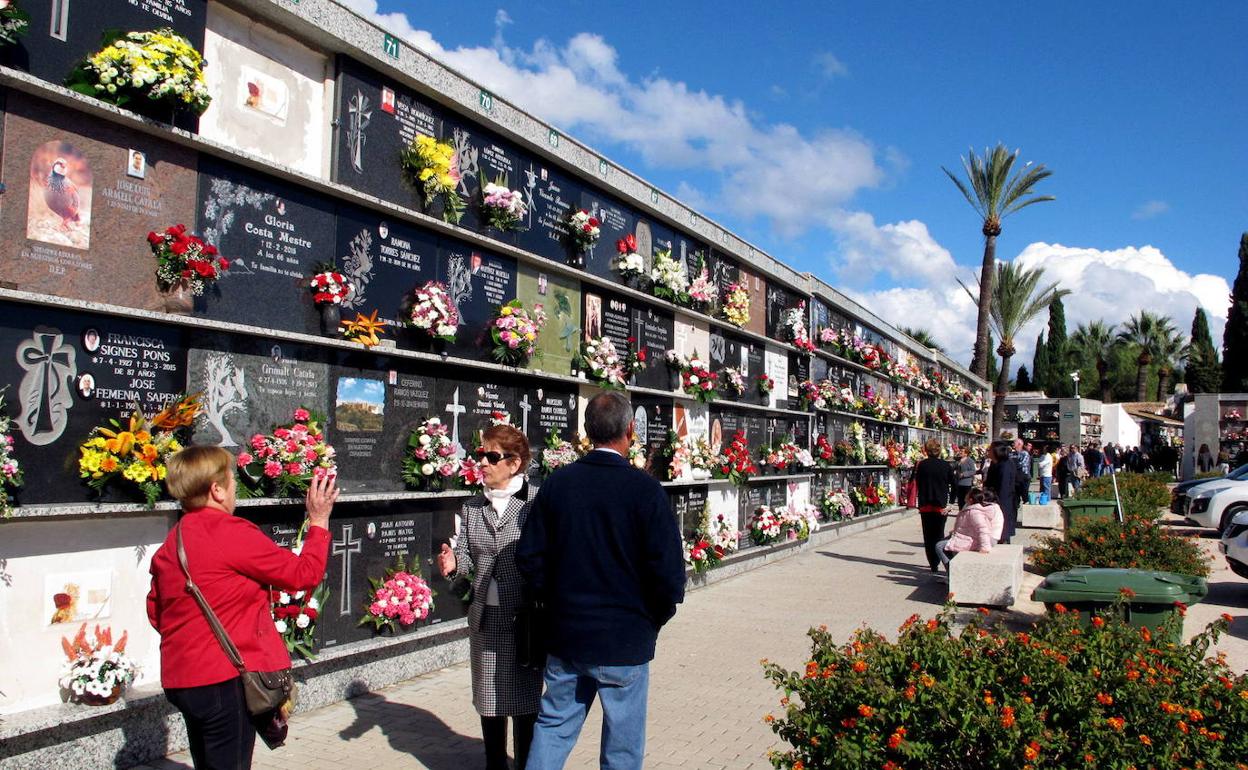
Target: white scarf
<point>499,497</point>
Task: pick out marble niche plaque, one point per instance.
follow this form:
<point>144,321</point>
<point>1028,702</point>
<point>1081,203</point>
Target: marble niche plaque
<point>274,235</point>
<point>553,197</point>
<point>610,315</point>
<point>779,300</point>
<point>81,198</point>
<point>653,418</point>
<point>376,120</point>
<point>384,260</point>
<point>776,364</point>
<point>71,372</point>
<point>252,386</point>
<point>478,283</point>
<point>616,222</point>
<point>268,93</point>
<point>758,300</point>
<point>559,340</point>
<point>63,32</point>
<point>544,409</point>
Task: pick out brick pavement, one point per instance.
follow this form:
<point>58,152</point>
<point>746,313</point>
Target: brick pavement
<point>707,694</point>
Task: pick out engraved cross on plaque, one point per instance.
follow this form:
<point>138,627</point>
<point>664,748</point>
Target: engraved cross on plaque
<point>525,406</point>
<point>456,409</point>
<point>344,549</point>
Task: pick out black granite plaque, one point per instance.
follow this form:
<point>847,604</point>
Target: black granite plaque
<point>376,120</point>
<point>73,372</point>
<point>274,235</point>
<point>821,316</point>
<point>724,270</point>
<point>384,259</point>
<point>652,416</point>
<point>724,426</point>
<point>478,283</point>
<point>654,330</point>
<point>62,33</point>
<point>678,498</point>
<point>554,195</point>
<point>616,221</point>
<point>543,408</point>
<point>779,301</point>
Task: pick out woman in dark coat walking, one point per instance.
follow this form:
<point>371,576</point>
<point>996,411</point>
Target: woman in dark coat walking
<point>1006,480</point>
<point>934,478</point>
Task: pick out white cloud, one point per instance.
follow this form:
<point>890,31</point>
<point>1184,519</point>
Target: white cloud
<point>1150,209</point>
<point>580,87</point>
<point>905,251</point>
<point>830,66</point>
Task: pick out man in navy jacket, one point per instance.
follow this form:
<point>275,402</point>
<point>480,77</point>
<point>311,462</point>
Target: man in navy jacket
<point>602,549</point>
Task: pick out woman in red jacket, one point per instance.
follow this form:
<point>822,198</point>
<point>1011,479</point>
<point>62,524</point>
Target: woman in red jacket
<point>234,564</point>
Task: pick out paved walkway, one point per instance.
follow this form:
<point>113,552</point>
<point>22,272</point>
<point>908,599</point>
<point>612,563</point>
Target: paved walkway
<point>707,694</point>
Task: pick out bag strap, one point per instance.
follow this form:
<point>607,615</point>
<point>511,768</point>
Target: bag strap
<point>218,630</point>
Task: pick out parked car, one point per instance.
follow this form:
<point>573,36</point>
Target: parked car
<point>1214,506</point>
<point>1235,544</point>
<point>1180,493</point>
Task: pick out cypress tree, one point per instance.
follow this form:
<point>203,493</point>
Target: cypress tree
<point>1057,372</point>
<point>1235,338</point>
<point>1203,373</point>
<point>1022,381</point>
<point>1040,365</point>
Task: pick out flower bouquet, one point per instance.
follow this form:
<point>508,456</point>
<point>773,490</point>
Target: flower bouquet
<point>668,279</point>
<point>765,385</point>
<point>836,505</point>
<point>677,453</point>
<point>501,207</point>
<point>583,231</point>
<point>14,22</point>
<point>329,289</point>
<point>735,462</point>
<point>724,533</point>
<point>294,615</point>
<point>825,452</point>
<point>736,307</point>
<point>365,329</point>
<point>702,555</point>
<point>797,521</point>
<point>793,321</point>
<point>430,309</point>
<point>628,263</point>
<point>96,672</point>
<point>157,69</point>
<point>734,380</point>
<point>11,475</point>
<point>429,166</point>
<point>136,452</point>
<point>184,263</point>
<point>765,526</point>
<point>696,377</point>
<point>702,290</point>
<point>284,462</point>
<point>816,395</point>
<point>637,455</point>
<point>871,498</point>
<point>433,459</point>
<point>603,365</point>
<point>877,454</point>
<point>400,598</point>
<point>557,453</point>
<point>702,460</point>
<point>515,331</point>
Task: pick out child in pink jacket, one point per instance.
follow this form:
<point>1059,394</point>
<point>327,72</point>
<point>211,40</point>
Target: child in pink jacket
<point>978,527</point>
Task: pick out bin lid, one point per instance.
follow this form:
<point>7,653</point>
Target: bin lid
<point>1086,502</point>
<point>1103,584</point>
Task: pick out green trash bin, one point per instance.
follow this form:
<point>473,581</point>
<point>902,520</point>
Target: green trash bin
<point>1091,589</point>
<point>1076,511</point>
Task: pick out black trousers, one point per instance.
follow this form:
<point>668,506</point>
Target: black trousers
<point>494,735</point>
<point>961,492</point>
<point>217,724</point>
<point>933,533</point>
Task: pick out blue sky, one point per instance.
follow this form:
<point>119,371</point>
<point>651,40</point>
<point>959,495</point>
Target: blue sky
<point>817,131</point>
<point>356,390</point>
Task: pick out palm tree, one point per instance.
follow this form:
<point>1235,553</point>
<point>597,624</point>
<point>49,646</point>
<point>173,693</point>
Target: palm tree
<point>1016,299</point>
<point>922,336</point>
<point>1145,331</point>
<point>1171,347</point>
<point>1098,342</point>
<point>994,194</point>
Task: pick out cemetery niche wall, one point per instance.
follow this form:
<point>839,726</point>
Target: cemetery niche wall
<point>86,334</point>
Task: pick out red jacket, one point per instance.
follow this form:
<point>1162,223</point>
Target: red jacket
<point>233,563</point>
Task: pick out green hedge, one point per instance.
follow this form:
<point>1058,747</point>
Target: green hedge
<point>1136,543</point>
<point>1144,495</point>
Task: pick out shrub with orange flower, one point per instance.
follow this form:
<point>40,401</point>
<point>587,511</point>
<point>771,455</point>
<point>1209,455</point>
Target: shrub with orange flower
<point>975,696</point>
<point>135,451</point>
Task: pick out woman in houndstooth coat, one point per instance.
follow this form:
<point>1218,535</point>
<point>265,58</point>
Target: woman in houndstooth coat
<point>489,527</point>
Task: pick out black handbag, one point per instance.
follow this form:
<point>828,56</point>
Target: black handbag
<point>266,692</point>
<point>531,630</point>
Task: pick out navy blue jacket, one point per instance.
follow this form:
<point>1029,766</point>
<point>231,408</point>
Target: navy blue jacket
<point>602,548</point>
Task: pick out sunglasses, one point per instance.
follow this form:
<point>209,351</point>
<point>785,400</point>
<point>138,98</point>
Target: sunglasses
<point>493,458</point>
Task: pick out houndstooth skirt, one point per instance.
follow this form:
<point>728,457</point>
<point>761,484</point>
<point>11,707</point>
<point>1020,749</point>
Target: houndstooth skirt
<point>500,688</point>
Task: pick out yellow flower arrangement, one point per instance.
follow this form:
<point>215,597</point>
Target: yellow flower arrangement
<point>137,450</point>
<point>430,166</point>
<point>737,305</point>
<point>159,66</point>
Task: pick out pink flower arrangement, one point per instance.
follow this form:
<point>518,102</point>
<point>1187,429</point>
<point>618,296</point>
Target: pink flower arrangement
<point>284,462</point>
<point>401,598</point>
<point>515,331</point>
<point>794,323</point>
<point>430,309</point>
<point>433,460</point>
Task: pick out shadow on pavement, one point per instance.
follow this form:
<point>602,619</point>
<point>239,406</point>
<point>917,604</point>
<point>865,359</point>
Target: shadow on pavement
<point>926,587</point>
<point>413,731</point>
<point>1228,594</point>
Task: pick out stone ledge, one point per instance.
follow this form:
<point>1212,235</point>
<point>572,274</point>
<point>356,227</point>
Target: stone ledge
<point>993,579</point>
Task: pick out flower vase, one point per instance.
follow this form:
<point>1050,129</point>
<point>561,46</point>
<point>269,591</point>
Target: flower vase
<point>578,257</point>
<point>675,373</point>
<point>700,474</point>
<point>177,299</point>
<point>91,699</point>
<point>331,318</point>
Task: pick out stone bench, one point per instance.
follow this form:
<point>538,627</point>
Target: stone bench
<point>1047,516</point>
<point>993,579</point>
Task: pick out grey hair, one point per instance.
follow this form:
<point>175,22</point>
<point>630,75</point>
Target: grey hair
<point>607,418</point>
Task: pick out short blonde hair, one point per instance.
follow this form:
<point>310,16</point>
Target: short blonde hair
<point>932,447</point>
<point>192,471</point>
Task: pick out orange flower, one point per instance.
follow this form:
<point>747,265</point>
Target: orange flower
<point>1127,592</point>
<point>1104,699</point>
<point>1181,608</point>
<point>1227,617</point>
<point>1032,751</point>
<point>865,711</point>
<point>1116,722</point>
<point>908,693</point>
<point>814,740</point>
<point>1026,679</point>
<point>1098,622</point>
<point>982,610</point>
<point>860,666</point>
<point>1195,715</point>
<point>1007,717</point>
<point>890,765</point>
<point>933,624</point>
<point>108,464</point>
<point>1133,675</point>
<point>1146,635</point>
<point>988,698</point>
<point>926,680</point>
<point>769,719</point>
<point>894,741</point>
<point>798,765</point>
<point>1183,727</point>
<point>1059,608</point>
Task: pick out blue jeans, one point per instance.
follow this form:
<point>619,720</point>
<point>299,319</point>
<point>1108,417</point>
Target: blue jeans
<point>570,691</point>
<point>1046,486</point>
